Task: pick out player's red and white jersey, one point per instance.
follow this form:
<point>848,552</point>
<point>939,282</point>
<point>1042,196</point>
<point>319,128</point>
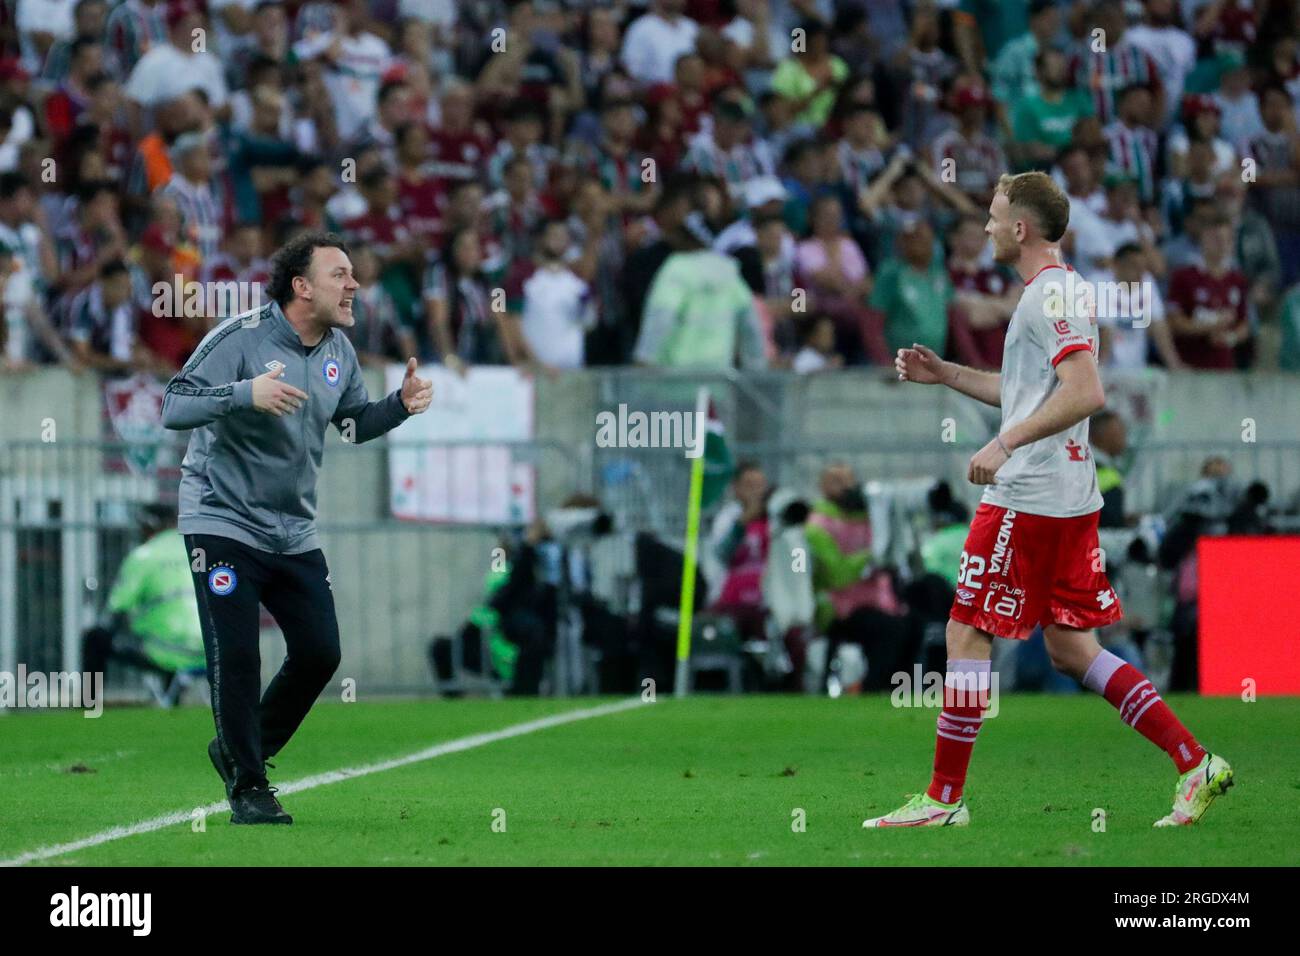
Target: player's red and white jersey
<point>1054,476</point>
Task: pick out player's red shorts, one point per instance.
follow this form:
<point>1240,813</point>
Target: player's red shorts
<point>1019,570</point>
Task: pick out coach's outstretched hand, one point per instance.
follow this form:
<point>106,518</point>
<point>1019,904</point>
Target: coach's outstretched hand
<point>919,364</point>
<point>417,392</point>
<point>275,397</point>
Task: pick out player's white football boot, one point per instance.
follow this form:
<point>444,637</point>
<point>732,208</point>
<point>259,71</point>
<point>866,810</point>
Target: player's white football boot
<point>923,811</point>
<point>1196,790</point>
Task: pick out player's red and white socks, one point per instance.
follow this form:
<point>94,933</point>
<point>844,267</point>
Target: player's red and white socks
<point>1141,707</point>
<point>965,698</point>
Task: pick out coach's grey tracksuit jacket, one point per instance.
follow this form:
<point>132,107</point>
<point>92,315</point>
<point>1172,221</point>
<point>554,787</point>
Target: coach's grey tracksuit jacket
<point>249,475</point>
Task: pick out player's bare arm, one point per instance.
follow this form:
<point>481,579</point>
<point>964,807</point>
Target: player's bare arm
<point>921,365</point>
<point>1080,395</point>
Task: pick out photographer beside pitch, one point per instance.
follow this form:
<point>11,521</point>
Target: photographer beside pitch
<point>1030,557</point>
<point>259,392</point>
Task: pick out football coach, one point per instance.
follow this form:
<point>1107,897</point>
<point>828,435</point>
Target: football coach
<point>258,393</point>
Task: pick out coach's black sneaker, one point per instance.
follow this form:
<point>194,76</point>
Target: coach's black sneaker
<point>258,805</point>
<point>225,767</point>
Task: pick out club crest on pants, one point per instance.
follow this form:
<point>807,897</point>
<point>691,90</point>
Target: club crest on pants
<point>222,580</point>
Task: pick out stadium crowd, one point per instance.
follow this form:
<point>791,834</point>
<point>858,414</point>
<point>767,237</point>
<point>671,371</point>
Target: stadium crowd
<point>556,184</point>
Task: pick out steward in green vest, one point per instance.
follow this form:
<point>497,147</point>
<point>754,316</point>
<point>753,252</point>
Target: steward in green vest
<point>152,616</point>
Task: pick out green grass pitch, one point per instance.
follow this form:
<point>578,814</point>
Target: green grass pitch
<point>705,781</point>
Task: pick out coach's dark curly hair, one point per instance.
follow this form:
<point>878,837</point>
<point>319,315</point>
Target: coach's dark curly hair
<point>293,260</point>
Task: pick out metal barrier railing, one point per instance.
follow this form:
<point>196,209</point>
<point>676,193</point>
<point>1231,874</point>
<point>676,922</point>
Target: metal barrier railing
<point>67,519</point>
<point>648,487</point>
<point>69,514</point>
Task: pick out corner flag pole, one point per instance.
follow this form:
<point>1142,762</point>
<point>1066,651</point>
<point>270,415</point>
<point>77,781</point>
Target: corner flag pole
<point>687,607</point>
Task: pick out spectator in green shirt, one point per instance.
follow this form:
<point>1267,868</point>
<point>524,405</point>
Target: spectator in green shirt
<point>1043,122</point>
<point>914,292</point>
<point>811,78</point>
<point>1013,70</point>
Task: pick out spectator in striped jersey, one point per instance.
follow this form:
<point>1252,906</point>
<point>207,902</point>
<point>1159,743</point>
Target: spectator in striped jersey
<point>190,188</point>
<point>1118,63</point>
<point>614,162</point>
<point>729,150</point>
<point>861,149</point>
<point>1253,244</point>
<point>102,324</point>
<point>1276,152</point>
<point>89,18</point>
<point>133,28</point>
<point>393,108</point>
<point>464,326</point>
<point>1133,144</point>
<point>93,237</point>
<point>516,210</point>
<point>968,152</point>
<point>524,126</point>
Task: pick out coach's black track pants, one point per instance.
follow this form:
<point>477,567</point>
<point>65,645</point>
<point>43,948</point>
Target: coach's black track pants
<point>295,589</point>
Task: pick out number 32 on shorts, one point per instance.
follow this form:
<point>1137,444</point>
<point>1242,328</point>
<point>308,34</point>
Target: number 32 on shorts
<point>1001,599</point>
<point>969,571</point>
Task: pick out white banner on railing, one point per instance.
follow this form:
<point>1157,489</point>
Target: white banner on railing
<point>480,483</point>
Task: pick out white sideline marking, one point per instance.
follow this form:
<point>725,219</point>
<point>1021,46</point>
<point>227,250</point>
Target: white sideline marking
<point>323,779</point>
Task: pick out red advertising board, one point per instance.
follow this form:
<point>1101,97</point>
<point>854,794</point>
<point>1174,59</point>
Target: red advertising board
<point>1249,594</point>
